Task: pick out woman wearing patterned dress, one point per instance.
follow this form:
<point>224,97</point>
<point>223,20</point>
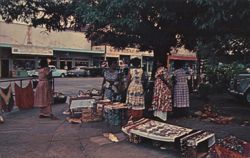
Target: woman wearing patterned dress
<point>181,92</point>
<point>110,83</point>
<point>162,101</point>
<point>135,96</point>
<point>43,94</point>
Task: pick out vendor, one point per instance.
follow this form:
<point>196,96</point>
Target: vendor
<point>111,82</point>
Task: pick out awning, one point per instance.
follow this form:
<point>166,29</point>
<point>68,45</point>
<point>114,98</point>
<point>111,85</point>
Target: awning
<point>31,50</point>
<point>5,45</point>
<point>190,58</point>
<point>112,55</point>
<point>78,50</point>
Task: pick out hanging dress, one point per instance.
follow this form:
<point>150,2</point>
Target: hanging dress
<point>181,92</point>
<point>135,96</point>
<point>162,100</point>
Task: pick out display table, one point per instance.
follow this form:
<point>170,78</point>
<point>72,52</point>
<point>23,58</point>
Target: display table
<point>197,142</point>
<point>155,130</point>
<point>76,104</point>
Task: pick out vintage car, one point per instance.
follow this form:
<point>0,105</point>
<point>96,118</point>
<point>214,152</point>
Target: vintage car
<point>79,71</point>
<point>55,72</point>
<point>240,86</point>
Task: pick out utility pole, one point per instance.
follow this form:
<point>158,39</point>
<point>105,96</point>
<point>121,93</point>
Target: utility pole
<point>105,52</point>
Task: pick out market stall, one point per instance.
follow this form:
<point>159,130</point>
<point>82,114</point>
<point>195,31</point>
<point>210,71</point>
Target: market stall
<point>190,61</point>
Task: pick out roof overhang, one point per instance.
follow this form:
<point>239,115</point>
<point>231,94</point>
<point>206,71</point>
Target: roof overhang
<point>176,57</point>
<point>78,50</point>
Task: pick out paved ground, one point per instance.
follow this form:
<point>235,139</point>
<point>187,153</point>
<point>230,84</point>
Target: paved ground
<point>24,135</point>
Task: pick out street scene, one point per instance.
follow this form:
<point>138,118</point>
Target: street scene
<point>124,78</point>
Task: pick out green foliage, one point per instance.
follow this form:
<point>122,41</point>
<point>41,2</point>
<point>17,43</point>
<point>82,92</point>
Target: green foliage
<point>219,76</point>
<point>145,24</point>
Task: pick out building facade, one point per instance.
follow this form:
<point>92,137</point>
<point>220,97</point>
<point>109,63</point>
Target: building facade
<point>21,46</point>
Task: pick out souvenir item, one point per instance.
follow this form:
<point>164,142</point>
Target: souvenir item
<point>155,130</point>
<point>190,142</point>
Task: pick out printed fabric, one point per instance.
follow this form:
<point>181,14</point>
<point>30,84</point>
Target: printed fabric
<point>110,85</point>
<point>162,100</point>
<point>6,99</point>
<point>181,92</point>
<point>135,96</point>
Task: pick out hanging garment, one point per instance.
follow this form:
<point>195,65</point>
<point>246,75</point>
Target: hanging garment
<point>6,99</point>
<point>181,92</point>
<point>135,95</point>
<point>110,86</point>
<point>162,101</point>
<point>24,96</point>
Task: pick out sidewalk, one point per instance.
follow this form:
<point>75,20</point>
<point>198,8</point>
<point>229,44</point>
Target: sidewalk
<point>24,135</point>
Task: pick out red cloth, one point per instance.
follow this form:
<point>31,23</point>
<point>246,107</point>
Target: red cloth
<point>136,114</point>
<point>24,96</point>
<point>239,148</point>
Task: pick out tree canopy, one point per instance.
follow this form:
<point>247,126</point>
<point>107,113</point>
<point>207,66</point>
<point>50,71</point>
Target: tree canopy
<point>144,24</point>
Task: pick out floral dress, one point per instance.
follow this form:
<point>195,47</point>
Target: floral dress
<point>162,101</point>
<point>135,96</point>
<point>110,85</point>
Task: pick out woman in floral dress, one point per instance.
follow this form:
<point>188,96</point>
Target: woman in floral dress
<point>162,101</point>
<point>135,95</point>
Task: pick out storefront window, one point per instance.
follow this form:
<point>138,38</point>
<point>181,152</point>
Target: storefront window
<point>97,62</point>
<point>81,62</point>
<point>22,64</point>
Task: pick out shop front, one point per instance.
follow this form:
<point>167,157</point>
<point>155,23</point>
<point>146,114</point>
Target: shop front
<point>68,59</point>
<point>190,64</point>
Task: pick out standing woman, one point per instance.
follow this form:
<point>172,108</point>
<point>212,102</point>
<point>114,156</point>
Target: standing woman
<point>110,82</point>
<point>181,92</point>
<point>162,100</point>
<point>43,94</point>
<point>135,96</point>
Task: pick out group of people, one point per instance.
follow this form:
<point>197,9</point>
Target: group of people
<point>171,91</point>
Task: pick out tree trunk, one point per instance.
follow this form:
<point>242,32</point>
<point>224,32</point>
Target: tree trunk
<point>159,55</point>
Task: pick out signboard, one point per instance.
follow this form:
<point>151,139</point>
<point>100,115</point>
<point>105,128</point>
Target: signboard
<point>31,50</point>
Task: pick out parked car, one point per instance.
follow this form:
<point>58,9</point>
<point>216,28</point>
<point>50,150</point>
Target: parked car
<point>55,72</point>
<point>78,71</point>
<point>240,86</point>
<point>96,72</point>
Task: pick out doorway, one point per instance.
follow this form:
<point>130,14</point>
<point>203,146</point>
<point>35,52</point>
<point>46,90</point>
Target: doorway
<point>4,68</point>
